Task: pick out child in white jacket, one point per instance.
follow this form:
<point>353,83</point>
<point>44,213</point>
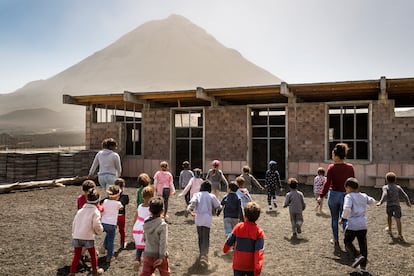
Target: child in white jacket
<point>86,224</point>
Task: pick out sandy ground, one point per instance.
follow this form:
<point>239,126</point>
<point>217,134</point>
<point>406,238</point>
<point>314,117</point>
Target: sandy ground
<point>35,238</point>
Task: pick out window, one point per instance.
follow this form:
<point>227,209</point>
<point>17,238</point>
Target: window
<point>188,138</point>
<point>350,124</point>
<point>131,121</point>
<point>268,139</point>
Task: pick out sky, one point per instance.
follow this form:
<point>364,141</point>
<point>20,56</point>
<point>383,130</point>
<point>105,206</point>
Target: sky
<point>299,41</point>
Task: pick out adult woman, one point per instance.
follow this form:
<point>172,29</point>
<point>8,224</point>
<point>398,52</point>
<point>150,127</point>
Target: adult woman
<point>336,175</point>
<point>109,164</point>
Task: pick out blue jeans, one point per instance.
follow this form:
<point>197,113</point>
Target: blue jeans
<point>105,180</point>
<point>109,239</point>
<point>229,224</point>
<point>336,203</point>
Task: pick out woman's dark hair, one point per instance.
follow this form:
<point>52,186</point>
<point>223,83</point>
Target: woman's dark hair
<point>205,186</point>
<point>341,150</point>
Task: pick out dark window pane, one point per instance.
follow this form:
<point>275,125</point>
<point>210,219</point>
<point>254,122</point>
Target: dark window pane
<point>259,158</point>
<point>196,154</point>
<point>277,132</point>
<point>362,150</point>
<point>335,123</point>
<point>260,132</point>
<point>182,132</point>
<point>348,125</point>
<point>196,132</point>
<point>259,117</point>
<point>362,126</point>
<point>277,153</point>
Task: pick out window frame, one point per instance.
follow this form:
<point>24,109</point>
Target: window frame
<point>355,104</point>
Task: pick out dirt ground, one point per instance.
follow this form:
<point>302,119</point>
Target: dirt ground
<point>35,239</point>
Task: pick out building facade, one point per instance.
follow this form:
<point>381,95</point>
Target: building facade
<point>296,125</point>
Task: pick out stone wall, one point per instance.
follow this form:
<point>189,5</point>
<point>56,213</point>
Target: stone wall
<point>306,132</point>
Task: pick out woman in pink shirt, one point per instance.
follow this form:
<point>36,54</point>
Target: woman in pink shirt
<point>164,184</point>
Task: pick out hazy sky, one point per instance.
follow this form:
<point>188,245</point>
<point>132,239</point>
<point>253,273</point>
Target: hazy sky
<point>299,41</point>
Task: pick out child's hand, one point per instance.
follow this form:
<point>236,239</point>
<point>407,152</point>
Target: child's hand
<point>378,204</point>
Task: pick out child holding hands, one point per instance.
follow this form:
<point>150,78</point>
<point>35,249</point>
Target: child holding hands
<point>391,194</point>
<point>86,225</point>
<point>111,208</point>
<point>354,213</point>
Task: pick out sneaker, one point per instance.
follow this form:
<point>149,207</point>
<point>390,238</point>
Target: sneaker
<point>389,232</point>
<point>357,261</point>
<point>274,203</point>
<point>294,235</point>
<point>98,271</point>
<point>401,238</point>
<point>299,229</point>
<point>269,209</point>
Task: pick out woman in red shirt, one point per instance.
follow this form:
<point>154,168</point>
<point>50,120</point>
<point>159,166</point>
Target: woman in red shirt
<point>336,175</point>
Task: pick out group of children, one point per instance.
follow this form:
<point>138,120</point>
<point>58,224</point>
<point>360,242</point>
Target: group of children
<point>240,214</point>
<point>95,216</point>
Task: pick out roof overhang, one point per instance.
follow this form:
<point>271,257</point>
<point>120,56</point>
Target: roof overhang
<point>400,90</point>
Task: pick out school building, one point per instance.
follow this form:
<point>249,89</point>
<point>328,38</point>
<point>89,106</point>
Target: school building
<point>296,125</point>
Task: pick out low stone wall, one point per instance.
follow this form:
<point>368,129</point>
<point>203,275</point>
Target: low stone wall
<point>17,167</point>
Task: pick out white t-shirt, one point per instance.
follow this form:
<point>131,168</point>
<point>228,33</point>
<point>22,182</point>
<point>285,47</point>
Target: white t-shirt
<point>357,202</point>
<point>110,213</point>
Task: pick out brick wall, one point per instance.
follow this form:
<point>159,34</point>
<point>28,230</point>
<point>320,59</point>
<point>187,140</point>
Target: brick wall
<point>306,132</point>
<point>156,126</point>
<point>392,137</point>
<point>226,133</point>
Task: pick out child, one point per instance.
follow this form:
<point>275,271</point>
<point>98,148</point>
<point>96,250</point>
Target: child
<point>86,186</point>
<point>86,225</point>
<point>248,241</point>
<point>121,223</point>
<point>354,213</point>
<point>318,182</point>
<point>155,232</point>
<point>193,186</point>
<point>272,184</point>
<point>185,175</point>
<point>233,213</point>
<point>391,193</point>
<point>143,181</point>
<point>138,230</point>
<point>163,181</point>
<point>296,202</point>
<point>201,206</point>
<point>249,179</point>
<point>216,178</point>
<point>242,192</point>
<point>111,208</point>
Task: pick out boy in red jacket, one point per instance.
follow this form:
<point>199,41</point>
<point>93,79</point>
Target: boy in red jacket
<point>248,241</point>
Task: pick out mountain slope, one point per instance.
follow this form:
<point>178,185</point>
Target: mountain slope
<point>168,54</point>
